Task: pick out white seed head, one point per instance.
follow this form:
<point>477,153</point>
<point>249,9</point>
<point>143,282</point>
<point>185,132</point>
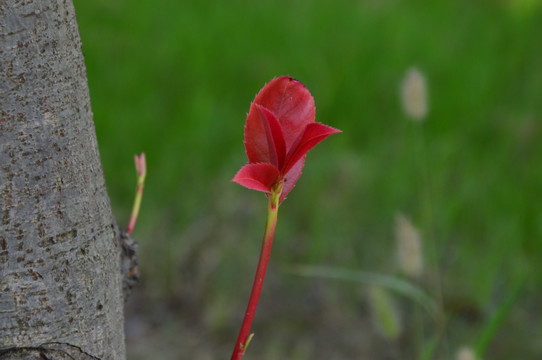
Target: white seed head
<point>414,94</point>
<point>409,247</point>
<point>465,353</point>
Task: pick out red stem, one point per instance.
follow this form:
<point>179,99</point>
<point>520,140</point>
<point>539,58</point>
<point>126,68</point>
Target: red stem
<point>272,211</point>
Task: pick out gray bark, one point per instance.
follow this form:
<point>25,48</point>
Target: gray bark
<point>60,272</point>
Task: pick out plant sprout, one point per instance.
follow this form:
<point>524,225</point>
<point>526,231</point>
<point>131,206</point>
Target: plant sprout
<point>279,131</point>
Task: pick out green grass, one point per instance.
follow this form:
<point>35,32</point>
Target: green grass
<point>175,79</point>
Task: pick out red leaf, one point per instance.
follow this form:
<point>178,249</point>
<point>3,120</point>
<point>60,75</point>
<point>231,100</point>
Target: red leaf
<point>260,177</point>
<point>275,137</point>
<point>291,178</point>
<point>279,131</point>
<point>313,134</point>
<point>293,106</point>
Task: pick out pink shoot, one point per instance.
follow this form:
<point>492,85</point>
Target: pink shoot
<point>141,168</point>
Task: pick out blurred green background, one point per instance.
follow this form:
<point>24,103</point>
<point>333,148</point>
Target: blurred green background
<point>175,79</point>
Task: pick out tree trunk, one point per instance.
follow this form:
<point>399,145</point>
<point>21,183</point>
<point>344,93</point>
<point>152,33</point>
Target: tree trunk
<point>60,271</point>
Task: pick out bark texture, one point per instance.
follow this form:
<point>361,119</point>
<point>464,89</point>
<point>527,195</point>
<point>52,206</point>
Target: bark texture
<point>60,276</point>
